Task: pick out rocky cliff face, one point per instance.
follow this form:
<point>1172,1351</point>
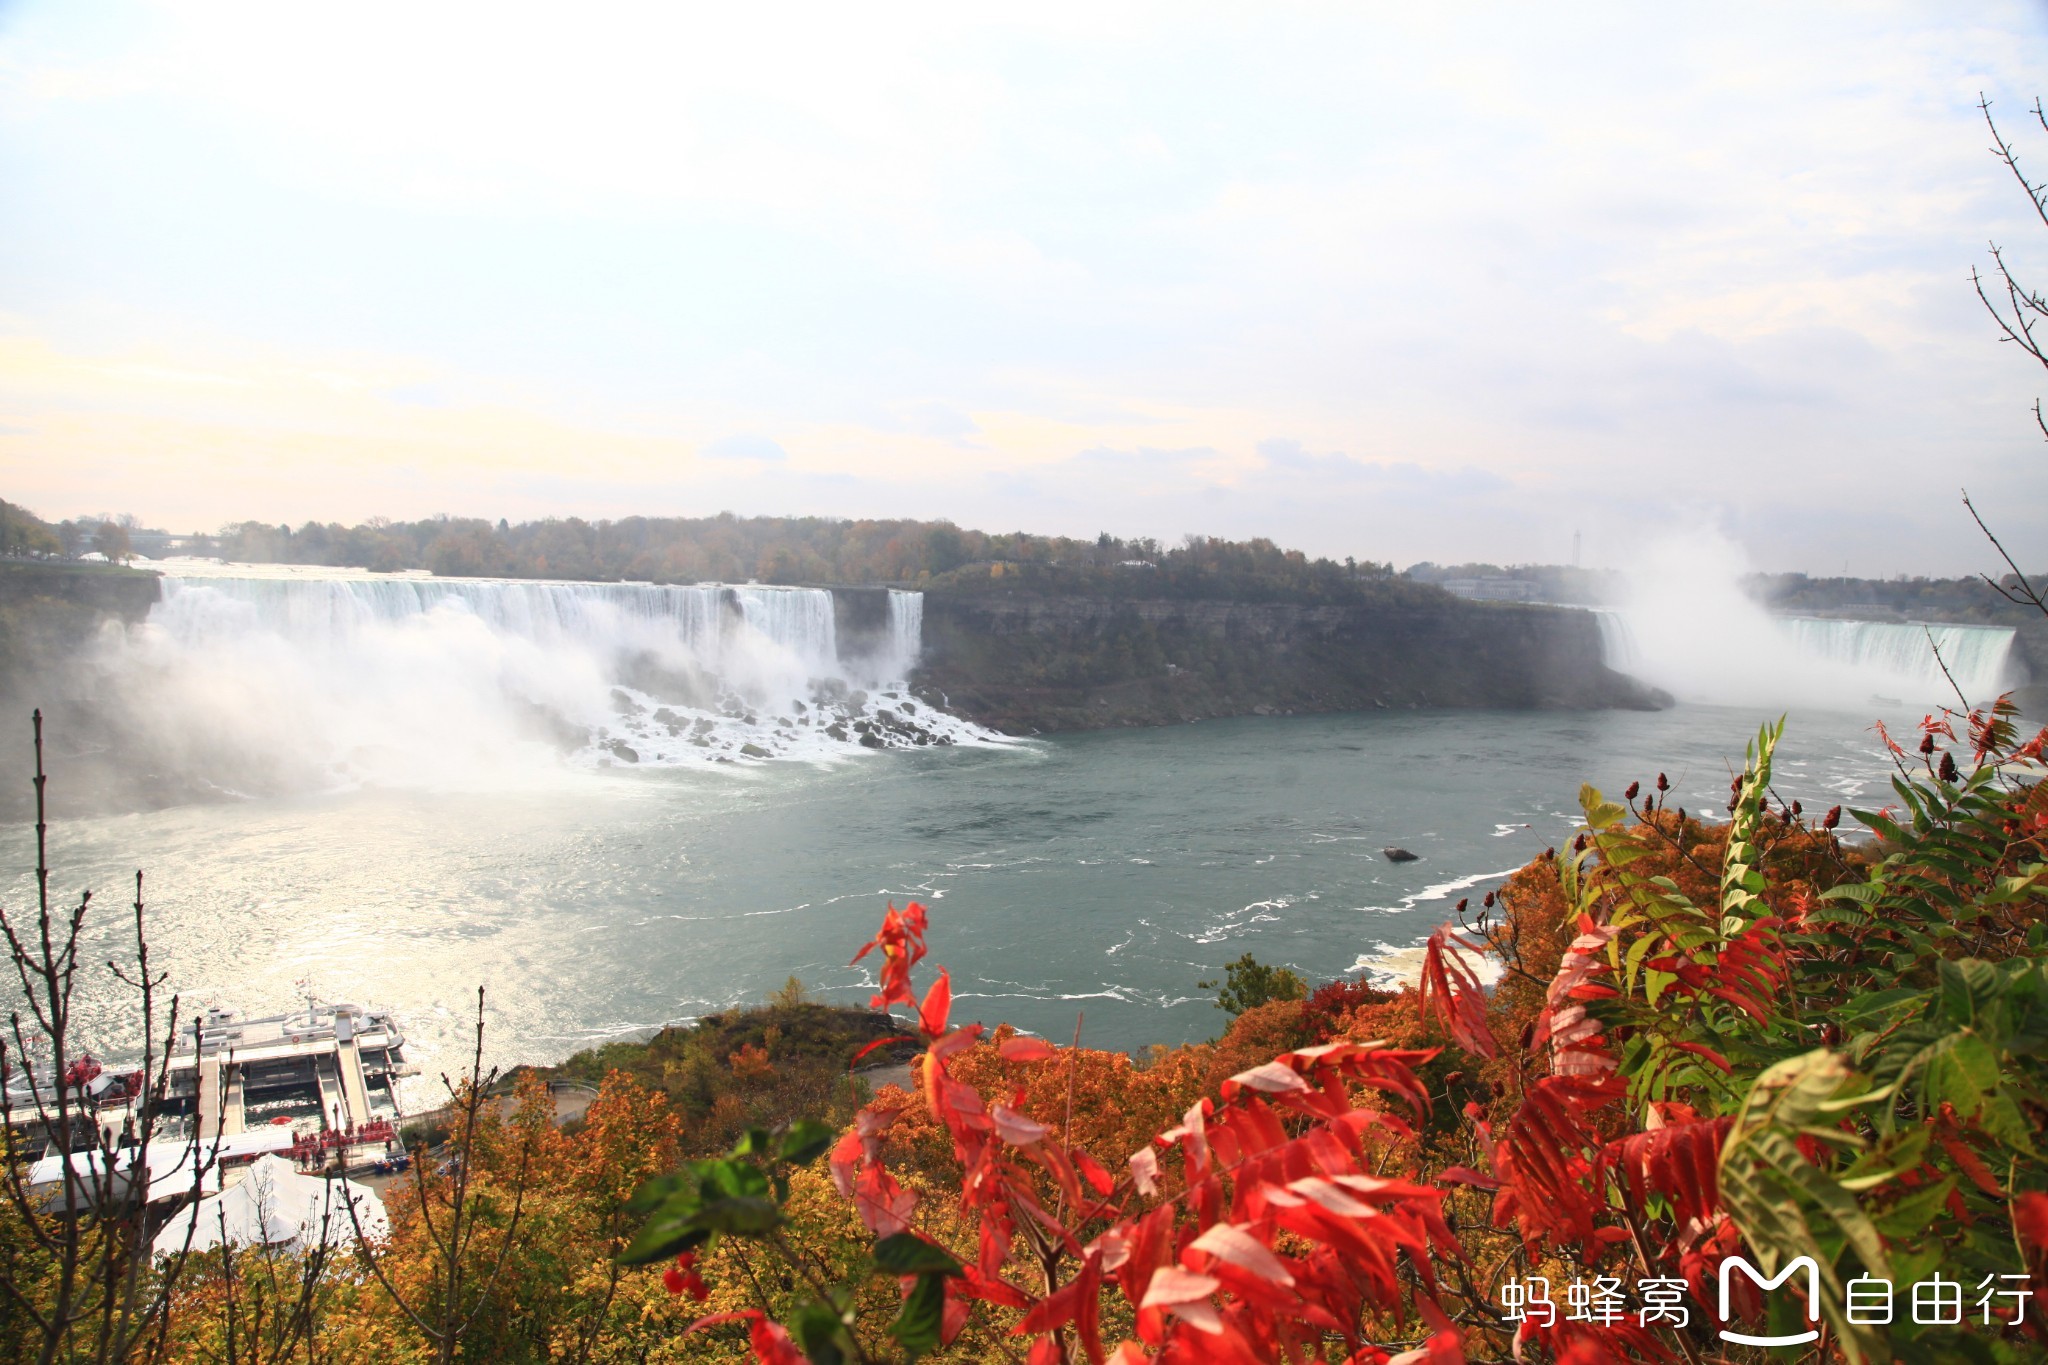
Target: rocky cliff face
<point>49,611</point>
<point>49,616</point>
<point>1025,664</point>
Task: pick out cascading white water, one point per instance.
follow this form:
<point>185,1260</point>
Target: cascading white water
<point>1977,657</point>
<point>1779,660</point>
<point>1686,623</point>
<point>906,631</point>
<point>284,679</point>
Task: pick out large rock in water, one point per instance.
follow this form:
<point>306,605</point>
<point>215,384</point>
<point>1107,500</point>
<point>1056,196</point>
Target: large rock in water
<point>1397,854</point>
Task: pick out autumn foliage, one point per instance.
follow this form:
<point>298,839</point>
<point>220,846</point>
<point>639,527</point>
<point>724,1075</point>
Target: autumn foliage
<point>1673,1042</point>
<point>1666,1043</point>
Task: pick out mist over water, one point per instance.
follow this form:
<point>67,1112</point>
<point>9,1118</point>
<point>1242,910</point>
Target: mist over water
<point>290,682</point>
<point>1686,625</point>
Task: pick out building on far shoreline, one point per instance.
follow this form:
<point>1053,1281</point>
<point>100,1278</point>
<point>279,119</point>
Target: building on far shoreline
<point>1493,589</point>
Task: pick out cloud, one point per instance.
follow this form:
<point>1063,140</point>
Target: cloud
<point>1070,269</point>
<point>1288,464</point>
<point>743,447</point>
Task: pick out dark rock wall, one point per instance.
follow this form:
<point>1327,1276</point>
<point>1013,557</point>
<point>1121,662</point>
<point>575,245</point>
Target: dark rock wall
<point>49,611</point>
<point>1024,664</point>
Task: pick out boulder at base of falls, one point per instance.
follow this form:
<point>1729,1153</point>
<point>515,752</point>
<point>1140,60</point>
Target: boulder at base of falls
<point>1397,854</point>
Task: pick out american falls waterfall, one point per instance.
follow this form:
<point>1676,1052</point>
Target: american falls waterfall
<point>269,681</point>
<point>906,629</point>
<point>1750,657</point>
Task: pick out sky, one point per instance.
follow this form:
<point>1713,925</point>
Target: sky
<point>1399,282</point>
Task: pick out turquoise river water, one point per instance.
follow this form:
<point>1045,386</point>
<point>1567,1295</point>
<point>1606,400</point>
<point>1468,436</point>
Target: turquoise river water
<point>1103,873</point>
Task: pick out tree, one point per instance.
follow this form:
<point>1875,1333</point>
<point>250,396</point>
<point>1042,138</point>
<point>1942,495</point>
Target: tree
<point>23,533</point>
<point>2018,310</point>
<point>478,1226</point>
<point>111,540</point>
<point>77,1281</point>
<point>1249,983</point>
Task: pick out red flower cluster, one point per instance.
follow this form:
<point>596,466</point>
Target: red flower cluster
<point>682,1278</point>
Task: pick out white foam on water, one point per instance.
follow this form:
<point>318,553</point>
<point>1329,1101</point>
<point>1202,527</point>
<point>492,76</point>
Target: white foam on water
<point>1389,966</point>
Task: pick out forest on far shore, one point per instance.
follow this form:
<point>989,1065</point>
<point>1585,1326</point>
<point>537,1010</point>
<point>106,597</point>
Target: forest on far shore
<point>935,555</point>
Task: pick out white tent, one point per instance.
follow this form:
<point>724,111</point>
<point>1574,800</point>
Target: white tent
<point>276,1206</point>
<point>169,1165</point>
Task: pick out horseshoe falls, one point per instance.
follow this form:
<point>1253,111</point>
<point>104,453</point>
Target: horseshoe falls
<point>297,680</point>
<point>1748,657</point>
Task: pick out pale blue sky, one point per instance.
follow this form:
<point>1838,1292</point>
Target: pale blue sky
<point>1397,285</point>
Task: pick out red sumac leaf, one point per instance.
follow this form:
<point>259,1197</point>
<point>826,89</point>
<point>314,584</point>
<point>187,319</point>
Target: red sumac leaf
<point>1022,1049</point>
<point>1271,1078</point>
<point>1451,991</point>
<point>1229,1242</point>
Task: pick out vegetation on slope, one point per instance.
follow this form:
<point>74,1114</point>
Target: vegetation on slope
<point>752,1067</point>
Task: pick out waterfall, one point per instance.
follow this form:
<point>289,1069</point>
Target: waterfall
<point>906,631</point>
<point>1752,658</point>
<point>1977,657</point>
<point>288,678</point>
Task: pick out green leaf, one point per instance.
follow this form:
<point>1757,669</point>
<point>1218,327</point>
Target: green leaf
<point>1600,812</point>
<point>1875,1002</point>
<point>1789,1207</point>
<point>906,1253</point>
<point>803,1142</point>
<point>664,1235</point>
<point>820,1333</point>
<point>1970,989</point>
<point>743,1216</point>
<point>1912,1211</point>
<point>729,1176</point>
<point>1891,1156</point>
<point>917,1327</point>
<point>652,1194</point>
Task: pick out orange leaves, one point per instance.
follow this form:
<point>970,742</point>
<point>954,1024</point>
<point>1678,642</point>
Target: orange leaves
<point>750,1063</point>
<point>1451,991</point>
